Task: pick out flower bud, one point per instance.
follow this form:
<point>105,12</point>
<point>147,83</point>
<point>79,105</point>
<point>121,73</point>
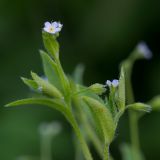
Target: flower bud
<point>46,87</point>
<point>97,88</point>
<point>140,107</point>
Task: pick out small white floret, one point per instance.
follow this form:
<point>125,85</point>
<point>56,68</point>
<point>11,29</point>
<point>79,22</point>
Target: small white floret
<point>108,83</point>
<point>53,27</point>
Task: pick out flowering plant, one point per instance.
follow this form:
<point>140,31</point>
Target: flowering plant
<point>93,111</point>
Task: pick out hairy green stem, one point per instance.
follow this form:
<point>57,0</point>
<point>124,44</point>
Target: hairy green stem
<point>94,139</point>
<point>134,130</point>
<point>106,152</point>
<point>79,135</point>
<point>91,135</point>
<point>133,119</point>
<point>82,141</point>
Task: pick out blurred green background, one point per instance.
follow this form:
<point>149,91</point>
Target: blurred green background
<point>98,33</point>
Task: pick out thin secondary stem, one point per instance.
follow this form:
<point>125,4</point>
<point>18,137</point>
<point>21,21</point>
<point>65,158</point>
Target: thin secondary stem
<point>46,150</point>
<point>133,119</point>
<point>82,141</point>
<point>134,130</point>
<point>79,135</point>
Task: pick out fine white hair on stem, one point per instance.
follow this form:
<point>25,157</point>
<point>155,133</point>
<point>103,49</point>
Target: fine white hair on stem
<point>108,83</point>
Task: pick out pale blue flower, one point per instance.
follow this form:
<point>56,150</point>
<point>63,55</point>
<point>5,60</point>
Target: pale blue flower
<point>53,27</point>
<point>115,83</point>
<point>144,50</point>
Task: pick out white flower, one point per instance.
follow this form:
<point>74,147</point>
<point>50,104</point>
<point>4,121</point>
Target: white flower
<point>108,83</point>
<point>144,50</point>
<point>53,27</point>
<point>113,83</point>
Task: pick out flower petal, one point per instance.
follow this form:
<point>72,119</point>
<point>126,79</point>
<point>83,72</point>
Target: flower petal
<point>115,83</point>
<point>108,83</point>
<point>47,24</point>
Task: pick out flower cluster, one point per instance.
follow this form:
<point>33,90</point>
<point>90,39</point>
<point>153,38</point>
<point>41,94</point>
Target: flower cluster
<point>113,83</point>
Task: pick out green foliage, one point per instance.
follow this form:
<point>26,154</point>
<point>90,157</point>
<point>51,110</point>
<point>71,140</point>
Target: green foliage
<point>51,70</point>
<point>51,44</point>
<point>46,87</point>
<point>92,112</point>
<point>121,90</point>
<point>103,117</point>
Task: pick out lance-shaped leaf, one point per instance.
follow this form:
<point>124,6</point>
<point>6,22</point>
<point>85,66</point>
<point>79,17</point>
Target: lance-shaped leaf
<point>46,87</point>
<point>121,90</point>
<point>155,103</point>
<point>53,103</point>
<point>86,91</point>
<point>30,83</point>
<point>50,70</point>
<point>59,105</point>
<point>103,117</point>
<point>140,107</point>
<point>51,44</point>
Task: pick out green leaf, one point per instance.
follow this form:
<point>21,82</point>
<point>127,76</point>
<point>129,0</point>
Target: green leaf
<point>140,107</point>
<point>53,103</point>
<point>78,73</point>
<point>30,83</point>
<point>121,90</point>
<point>103,117</point>
<point>50,70</point>
<point>47,88</point>
<point>155,103</point>
<point>51,44</point>
<point>60,106</point>
<point>85,91</point>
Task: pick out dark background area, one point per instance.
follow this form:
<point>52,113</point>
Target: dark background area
<point>97,33</point>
